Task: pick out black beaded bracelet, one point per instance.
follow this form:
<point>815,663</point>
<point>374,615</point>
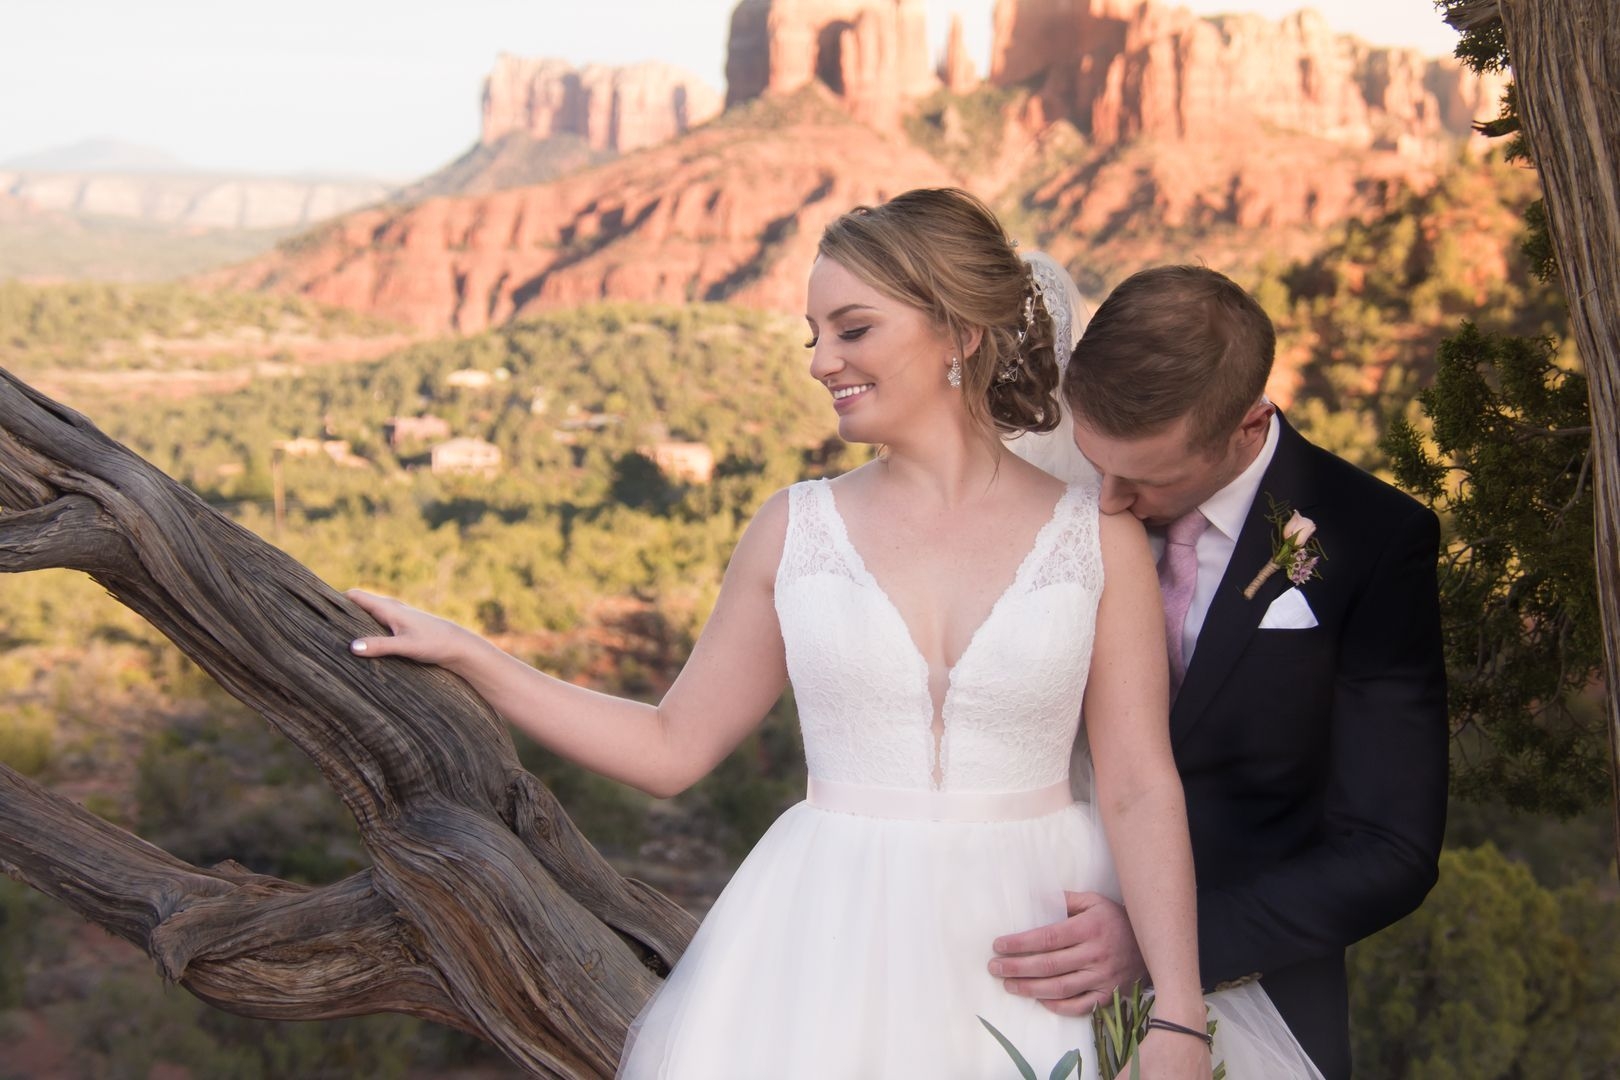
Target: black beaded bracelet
<point>1166,1025</point>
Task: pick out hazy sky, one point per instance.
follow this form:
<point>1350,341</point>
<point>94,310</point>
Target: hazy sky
<point>389,87</point>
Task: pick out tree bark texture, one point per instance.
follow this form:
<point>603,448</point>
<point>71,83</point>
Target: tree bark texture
<point>484,907</point>
<point>1565,56</point>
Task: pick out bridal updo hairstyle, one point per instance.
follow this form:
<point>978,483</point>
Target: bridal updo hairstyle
<point>941,251</point>
<point>1172,341</point>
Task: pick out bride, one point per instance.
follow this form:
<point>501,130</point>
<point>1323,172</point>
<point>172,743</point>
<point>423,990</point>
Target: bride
<point>943,613</point>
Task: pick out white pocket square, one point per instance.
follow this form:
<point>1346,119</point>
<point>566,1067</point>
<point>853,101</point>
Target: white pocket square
<point>1289,612</point>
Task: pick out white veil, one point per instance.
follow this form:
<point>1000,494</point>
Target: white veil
<point>1054,451</point>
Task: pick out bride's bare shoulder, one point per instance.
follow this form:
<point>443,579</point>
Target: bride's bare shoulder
<point>1123,540</point>
<point>760,548</point>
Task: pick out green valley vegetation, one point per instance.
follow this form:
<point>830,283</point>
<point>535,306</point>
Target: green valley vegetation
<point>1496,975</point>
<point>571,486</point>
<point>98,327</point>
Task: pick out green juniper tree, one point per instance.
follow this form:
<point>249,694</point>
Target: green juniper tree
<point>1515,461</point>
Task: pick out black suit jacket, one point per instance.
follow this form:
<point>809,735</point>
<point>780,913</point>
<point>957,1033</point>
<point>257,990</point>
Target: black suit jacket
<point>1315,761</point>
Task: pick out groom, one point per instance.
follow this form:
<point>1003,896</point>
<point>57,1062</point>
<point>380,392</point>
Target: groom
<point>1308,719</point>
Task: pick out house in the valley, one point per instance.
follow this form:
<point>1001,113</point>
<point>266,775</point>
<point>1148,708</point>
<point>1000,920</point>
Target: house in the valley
<point>466,456</point>
<point>409,430</point>
<point>687,462</point>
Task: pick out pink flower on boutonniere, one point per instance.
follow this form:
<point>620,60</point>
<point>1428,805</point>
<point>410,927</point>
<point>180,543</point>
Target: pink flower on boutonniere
<point>1295,550</point>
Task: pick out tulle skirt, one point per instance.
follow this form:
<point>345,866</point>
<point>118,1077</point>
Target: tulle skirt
<point>851,945</point>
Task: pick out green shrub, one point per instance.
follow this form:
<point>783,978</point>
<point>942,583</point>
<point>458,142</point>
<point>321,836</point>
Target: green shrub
<point>1494,977</point>
<point>27,738</point>
<point>221,789</point>
<point>129,1023</point>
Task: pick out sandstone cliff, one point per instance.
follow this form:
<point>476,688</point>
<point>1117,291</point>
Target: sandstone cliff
<point>616,109</point>
<point>731,212</point>
<point>873,55</point>
<point>1123,70</point>
<point>1217,139</point>
<point>956,71</point>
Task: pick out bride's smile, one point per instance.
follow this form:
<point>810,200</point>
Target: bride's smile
<point>844,396</point>
<point>884,363</point>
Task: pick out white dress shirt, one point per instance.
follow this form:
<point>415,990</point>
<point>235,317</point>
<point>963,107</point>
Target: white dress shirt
<point>1226,510</point>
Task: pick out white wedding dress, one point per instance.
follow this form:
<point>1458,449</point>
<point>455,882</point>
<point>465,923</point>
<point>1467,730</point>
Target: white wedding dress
<point>853,942</point>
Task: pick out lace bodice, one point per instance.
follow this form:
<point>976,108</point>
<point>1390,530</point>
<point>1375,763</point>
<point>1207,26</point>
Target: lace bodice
<point>1012,706</point>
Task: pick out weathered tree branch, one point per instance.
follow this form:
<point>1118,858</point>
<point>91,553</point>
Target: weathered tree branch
<point>1473,14</point>
<point>253,944</point>
<point>484,908</point>
<point>1565,56</point>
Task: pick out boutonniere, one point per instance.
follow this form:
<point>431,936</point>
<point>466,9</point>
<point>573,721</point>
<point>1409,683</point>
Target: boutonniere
<point>1295,550</point>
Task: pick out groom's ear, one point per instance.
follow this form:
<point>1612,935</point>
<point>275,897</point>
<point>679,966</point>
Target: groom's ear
<point>1256,422</point>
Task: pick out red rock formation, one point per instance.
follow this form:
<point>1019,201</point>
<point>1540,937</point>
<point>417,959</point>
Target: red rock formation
<point>619,109</point>
<point>1214,138</point>
<point>1122,70</point>
<point>731,212</point>
<point>956,71</point>
<point>872,54</point>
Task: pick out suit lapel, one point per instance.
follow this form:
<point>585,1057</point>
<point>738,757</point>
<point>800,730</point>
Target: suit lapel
<point>1233,618</point>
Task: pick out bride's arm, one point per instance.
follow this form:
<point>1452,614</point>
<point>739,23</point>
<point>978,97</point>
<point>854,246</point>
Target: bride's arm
<point>1138,791</point>
<point>736,672</point>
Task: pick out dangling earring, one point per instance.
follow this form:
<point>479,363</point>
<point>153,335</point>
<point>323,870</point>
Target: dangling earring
<point>954,375</point>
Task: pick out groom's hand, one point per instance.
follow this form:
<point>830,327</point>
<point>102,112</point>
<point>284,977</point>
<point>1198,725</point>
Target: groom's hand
<point>1074,965</point>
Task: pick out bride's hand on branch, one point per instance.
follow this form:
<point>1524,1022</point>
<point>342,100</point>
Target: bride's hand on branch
<point>414,634</point>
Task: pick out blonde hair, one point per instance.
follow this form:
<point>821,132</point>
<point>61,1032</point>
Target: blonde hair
<point>942,252</point>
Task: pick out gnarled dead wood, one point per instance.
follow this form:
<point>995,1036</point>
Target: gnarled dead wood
<point>1565,56</point>
<point>484,907</point>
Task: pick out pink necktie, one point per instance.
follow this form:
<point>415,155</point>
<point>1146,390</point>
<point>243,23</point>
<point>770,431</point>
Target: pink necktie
<point>1178,574</point>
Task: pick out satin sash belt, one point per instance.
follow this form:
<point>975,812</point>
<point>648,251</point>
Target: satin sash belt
<point>922,804</point>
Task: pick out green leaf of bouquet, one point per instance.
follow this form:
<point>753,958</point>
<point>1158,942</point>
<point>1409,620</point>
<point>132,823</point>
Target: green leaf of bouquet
<point>1066,1064</point>
<point>1024,1068</point>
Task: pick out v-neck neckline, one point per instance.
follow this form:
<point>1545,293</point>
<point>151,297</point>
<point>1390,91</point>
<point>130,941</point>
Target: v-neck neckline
<point>937,709</point>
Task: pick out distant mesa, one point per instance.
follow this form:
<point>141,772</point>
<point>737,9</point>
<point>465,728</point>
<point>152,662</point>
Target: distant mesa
<point>104,178</point>
<point>100,156</point>
<point>195,201</point>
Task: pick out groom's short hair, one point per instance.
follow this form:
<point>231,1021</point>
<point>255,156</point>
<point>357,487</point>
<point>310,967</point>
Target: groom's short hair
<point>1171,341</point>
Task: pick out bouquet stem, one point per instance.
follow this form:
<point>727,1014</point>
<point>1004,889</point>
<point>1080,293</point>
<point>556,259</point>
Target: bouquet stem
<point>1119,1026</point>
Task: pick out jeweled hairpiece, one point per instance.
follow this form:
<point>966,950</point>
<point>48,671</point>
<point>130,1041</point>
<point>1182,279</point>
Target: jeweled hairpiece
<point>1029,315</point>
<point>1009,371</point>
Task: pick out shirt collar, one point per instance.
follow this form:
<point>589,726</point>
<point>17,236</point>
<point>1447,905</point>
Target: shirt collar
<point>1228,508</point>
